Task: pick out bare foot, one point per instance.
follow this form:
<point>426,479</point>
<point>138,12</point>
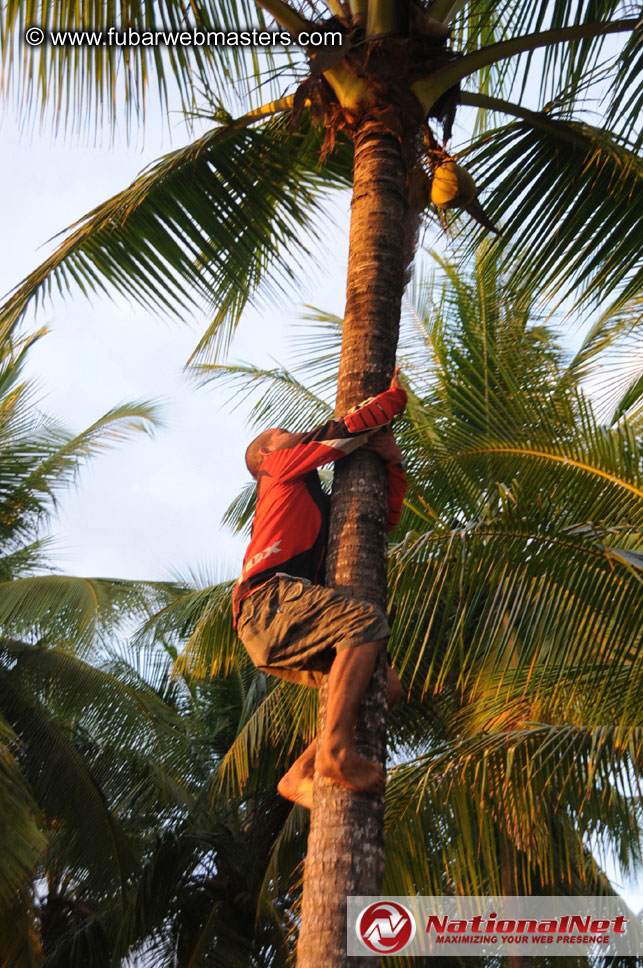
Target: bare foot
<point>298,788</point>
<point>351,770</point>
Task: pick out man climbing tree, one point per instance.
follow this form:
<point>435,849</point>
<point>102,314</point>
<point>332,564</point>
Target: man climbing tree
<point>291,624</point>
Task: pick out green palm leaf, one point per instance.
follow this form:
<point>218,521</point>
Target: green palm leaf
<point>205,226</point>
<point>77,613</point>
<point>22,843</point>
<point>477,23</point>
<point>560,570</point>
<point>200,621</point>
<point>521,778</point>
<point>126,744</point>
<point>38,457</point>
<point>240,512</point>
<point>85,84</point>
<point>276,729</point>
<point>68,791</point>
<point>615,384</point>
<point>588,237</point>
<point>282,398</point>
<point>626,94</point>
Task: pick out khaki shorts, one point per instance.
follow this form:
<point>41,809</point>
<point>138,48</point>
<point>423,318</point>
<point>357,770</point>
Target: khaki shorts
<point>294,630</point>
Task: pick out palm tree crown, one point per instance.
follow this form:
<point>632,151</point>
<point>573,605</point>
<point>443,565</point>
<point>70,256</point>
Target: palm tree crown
<point>217,221</point>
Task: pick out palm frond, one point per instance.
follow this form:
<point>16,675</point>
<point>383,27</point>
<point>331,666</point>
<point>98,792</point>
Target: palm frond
<point>203,227</point>
<point>626,93</point>
<point>37,458</point>
<point>526,783</point>
<point>68,792</point>
<point>240,512</point>
<point>282,399</point>
<point>22,843</point>
<point>76,85</point>
<point>315,344</point>
<point>285,859</point>
<point>562,240</point>
<point>117,424</point>
<point>198,622</point>
<point>19,941</point>
<point>76,613</point>
<point>547,595</point>
<point>276,728</point>
<point>199,886</point>
<point>614,382</point>
<point>476,24</point>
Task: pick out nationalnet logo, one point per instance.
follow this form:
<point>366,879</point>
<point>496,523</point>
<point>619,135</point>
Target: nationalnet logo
<point>484,926</point>
<point>385,927</point>
<point>570,929</point>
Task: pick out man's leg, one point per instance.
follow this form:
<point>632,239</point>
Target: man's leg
<point>337,756</point>
<point>297,784</point>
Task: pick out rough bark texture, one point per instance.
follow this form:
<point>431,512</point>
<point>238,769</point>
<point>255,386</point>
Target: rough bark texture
<point>512,886</point>
<point>346,844</point>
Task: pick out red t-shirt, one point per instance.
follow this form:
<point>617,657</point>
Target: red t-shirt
<point>290,527</point>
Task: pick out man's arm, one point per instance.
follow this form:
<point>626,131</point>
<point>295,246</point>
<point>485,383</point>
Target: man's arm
<point>337,438</point>
<point>384,444</point>
<point>372,413</point>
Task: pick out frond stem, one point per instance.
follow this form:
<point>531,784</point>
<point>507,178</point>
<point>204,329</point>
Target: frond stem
<point>537,118</point>
<point>265,111</point>
<point>543,455</point>
<point>445,10</point>
<point>285,15</point>
<point>430,88</point>
<point>474,532</point>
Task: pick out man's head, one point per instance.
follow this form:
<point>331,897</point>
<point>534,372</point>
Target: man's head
<point>264,444</point>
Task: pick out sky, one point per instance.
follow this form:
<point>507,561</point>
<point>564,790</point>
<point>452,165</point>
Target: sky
<point>149,508</point>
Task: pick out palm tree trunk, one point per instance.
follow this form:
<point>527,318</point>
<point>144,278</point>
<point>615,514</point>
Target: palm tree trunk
<point>512,887</point>
<point>346,842</point>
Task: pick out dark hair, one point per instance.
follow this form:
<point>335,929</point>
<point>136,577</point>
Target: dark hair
<point>253,455</point>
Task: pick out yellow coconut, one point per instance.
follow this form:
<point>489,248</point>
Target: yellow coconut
<point>452,186</point>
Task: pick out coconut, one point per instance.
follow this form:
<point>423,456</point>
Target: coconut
<point>452,186</point>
